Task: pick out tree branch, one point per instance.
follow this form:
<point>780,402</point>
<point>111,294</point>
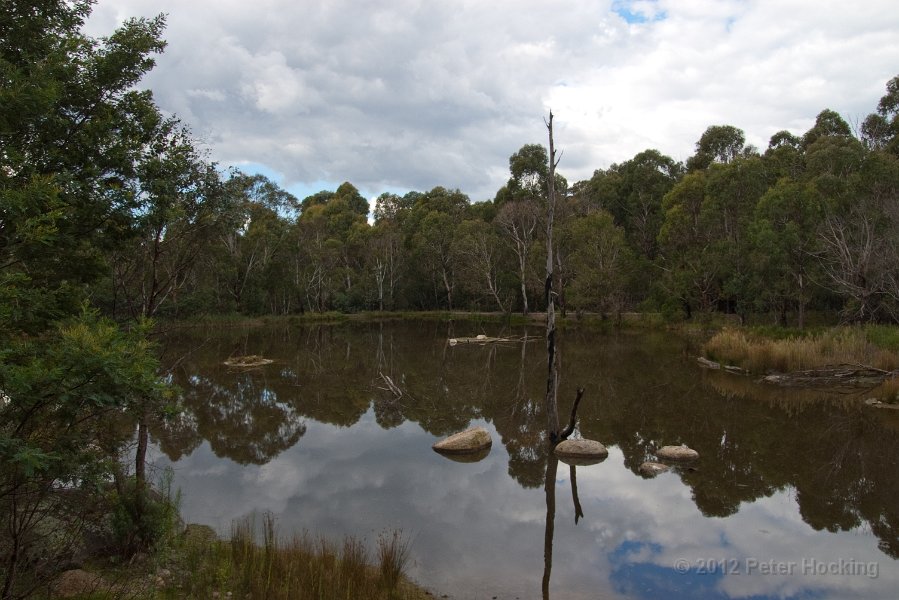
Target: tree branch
<point>571,423</point>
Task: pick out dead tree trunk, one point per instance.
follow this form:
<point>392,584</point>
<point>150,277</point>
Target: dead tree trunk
<point>552,377</point>
<point>552,407</point>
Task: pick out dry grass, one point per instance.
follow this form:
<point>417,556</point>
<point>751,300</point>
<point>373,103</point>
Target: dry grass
<point>888,391</point>
<point>296,567</point>
<point>845,345</point>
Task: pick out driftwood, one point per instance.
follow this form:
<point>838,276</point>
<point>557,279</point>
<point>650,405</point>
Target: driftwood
<point>249,361</point>
<point>483,339</point>
<point>710,364</point>
<point>848,375</point>
<point>392,387</point>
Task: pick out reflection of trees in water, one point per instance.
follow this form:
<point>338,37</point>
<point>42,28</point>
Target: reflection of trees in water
<point>521,425</point>
<point>240,416</point>
<point>836,455</point>
<point>641,393</point>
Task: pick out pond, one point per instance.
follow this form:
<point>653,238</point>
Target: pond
<point>794,495</point>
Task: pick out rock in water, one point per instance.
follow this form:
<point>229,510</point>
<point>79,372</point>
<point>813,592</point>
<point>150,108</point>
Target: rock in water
<point>580,452</point>
<point>471,440</point>
<point>651,469</point>
<point>680,453</point>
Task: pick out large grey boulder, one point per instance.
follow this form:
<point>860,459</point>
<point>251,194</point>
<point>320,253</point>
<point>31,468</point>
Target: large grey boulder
<point>580,452</point>
<point>677,453</point>
<point>470,441</point>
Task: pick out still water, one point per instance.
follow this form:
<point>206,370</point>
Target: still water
<point>795,495</point>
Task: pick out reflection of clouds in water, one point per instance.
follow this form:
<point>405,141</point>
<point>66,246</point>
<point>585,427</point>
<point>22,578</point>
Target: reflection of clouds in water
<point>476,532</point>
<point>656,527</point>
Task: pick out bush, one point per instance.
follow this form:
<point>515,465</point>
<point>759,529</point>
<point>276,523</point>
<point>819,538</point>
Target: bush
<point>148,523</point>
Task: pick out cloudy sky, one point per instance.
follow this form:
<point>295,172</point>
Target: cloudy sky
<point>398,95</point>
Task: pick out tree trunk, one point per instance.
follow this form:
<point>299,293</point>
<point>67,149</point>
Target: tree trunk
<point>140,468</point>
<point>552,387</point>
<point>449,290</point>
<point>524,297</point>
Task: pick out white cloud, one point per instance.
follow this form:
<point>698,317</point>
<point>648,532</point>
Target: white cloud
<point>411,94</point>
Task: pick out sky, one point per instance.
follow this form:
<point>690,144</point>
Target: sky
<point>399,95</point>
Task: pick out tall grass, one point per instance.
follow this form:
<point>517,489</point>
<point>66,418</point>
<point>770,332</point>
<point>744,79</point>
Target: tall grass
<point>295,567</point>
<point>843,345</point>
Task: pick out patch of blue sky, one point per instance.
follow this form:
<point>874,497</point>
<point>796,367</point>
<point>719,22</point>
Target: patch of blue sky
<point>300,190</point>
<point>304,189</point>
<point>638,11</point>
<point>636,576</point>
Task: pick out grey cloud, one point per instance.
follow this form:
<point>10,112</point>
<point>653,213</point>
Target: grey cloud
<point>411,94</point>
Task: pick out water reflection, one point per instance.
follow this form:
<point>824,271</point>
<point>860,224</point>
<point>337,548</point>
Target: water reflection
<point>340,455</point>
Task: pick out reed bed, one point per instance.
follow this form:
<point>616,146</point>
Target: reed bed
<point>760,354</point>
<point>299,566</point>
<point>889,391</point>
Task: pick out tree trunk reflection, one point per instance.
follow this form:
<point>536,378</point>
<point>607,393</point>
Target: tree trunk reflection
<point>552,467</point>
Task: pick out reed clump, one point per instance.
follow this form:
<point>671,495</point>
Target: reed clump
<point>298,566</point>
<point>760,354</point>
<point>889,391</point>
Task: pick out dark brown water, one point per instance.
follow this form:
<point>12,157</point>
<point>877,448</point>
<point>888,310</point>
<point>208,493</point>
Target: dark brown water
<point>796,495</point>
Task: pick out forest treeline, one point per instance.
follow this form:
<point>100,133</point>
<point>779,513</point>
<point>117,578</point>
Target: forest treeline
<point>811,222</point>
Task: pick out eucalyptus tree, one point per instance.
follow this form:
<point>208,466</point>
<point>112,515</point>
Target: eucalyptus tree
<point>254,245</point>
<point>478,245</point>
<point>784,245</point>
<point>880,130</point>
<point>385,254</point>
<point>718,144</point>
<point>784,156</point>
<point>429,229</point>
<point>178,203</point>
<point>601,263</point>
<point>518,221</point>
<point>690,271</point>
<point>860,241</point>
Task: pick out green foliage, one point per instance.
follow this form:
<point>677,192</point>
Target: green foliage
<point>883,336</point>
<point>601,264</point>
<point>150,526</point>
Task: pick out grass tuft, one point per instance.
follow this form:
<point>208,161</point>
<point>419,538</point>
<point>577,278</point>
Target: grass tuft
<point>259,563</point>
<point>393,556</point>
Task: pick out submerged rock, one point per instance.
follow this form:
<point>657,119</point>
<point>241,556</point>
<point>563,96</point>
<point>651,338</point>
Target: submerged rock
<point>651,469</point>
<point>677,453</point>
<point>580,452</point>
<point>469,441</point>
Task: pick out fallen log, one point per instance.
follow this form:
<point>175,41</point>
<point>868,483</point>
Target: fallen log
<point>483,339</point>
<point>848,375</point>
<point>249,361</point>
